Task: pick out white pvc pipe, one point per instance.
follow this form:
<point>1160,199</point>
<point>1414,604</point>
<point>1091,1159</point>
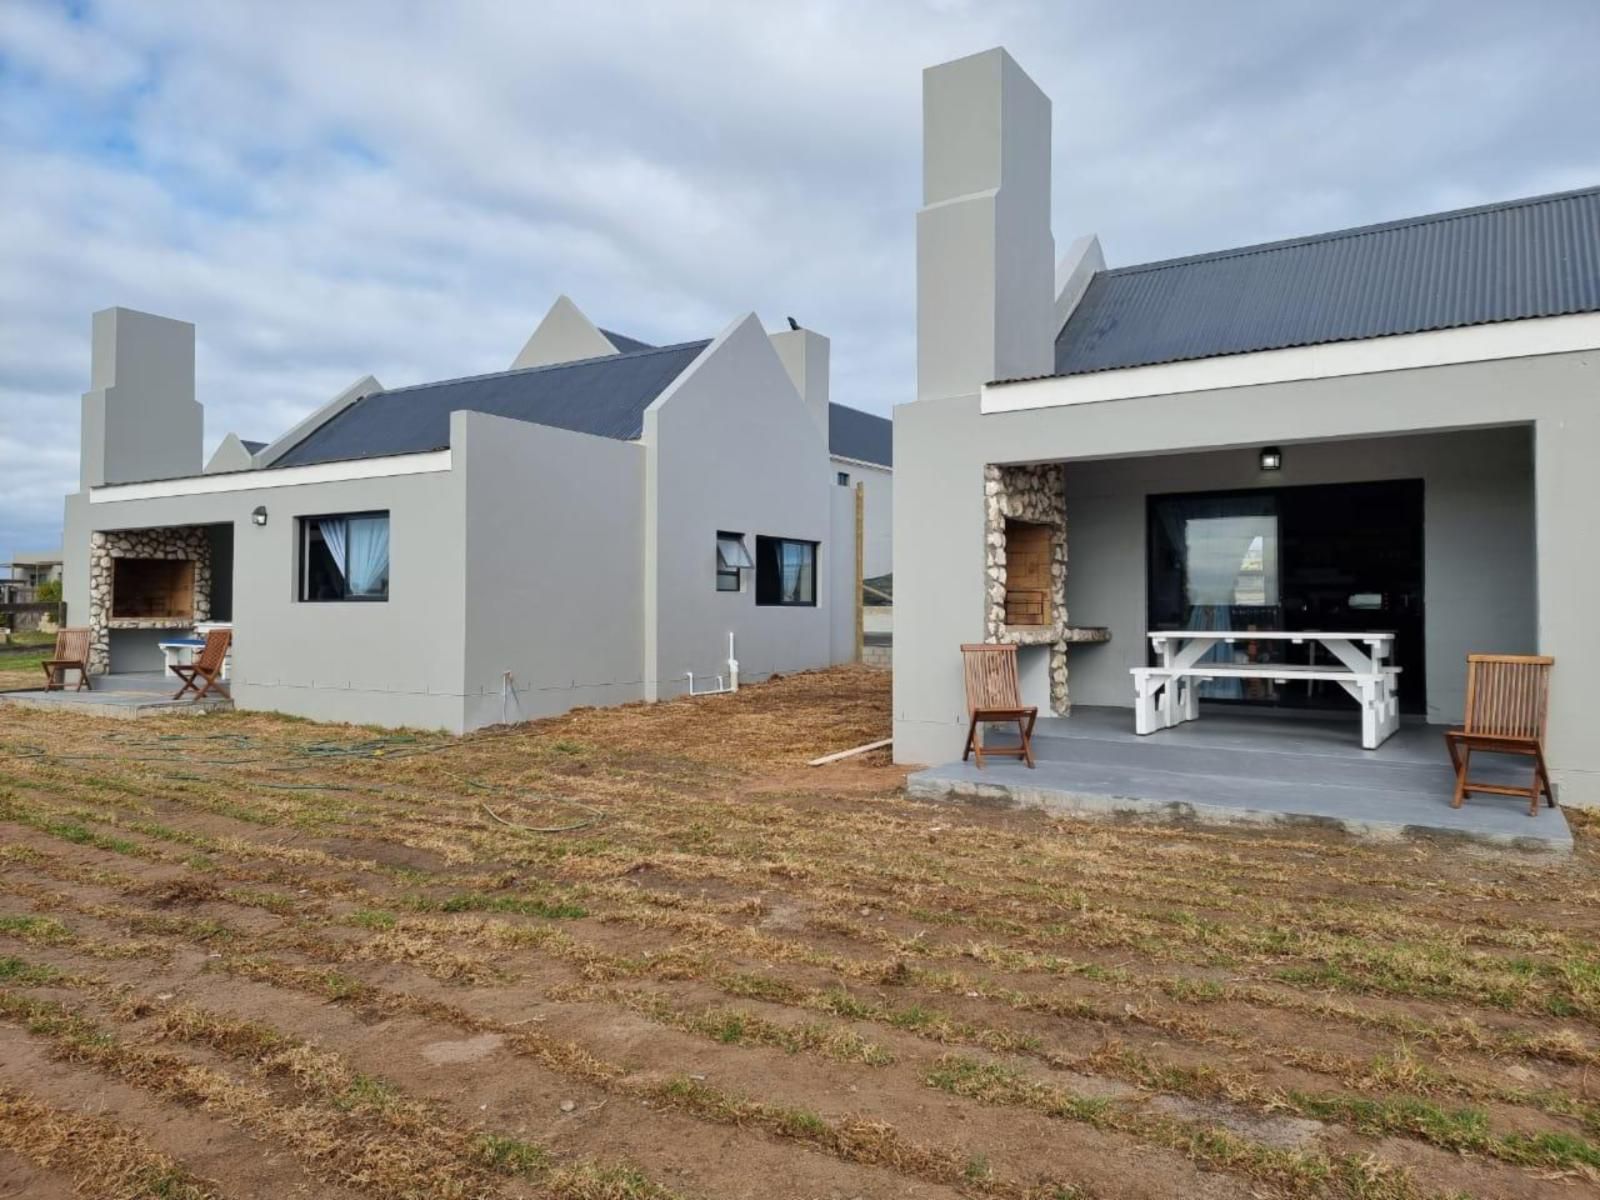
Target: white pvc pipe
<point>721,689</point>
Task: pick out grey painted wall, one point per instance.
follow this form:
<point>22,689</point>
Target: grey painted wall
<point>1478,544</point>
<point>877,552</point>
<point>879,514</point>
<point>137,650</point>
<point>942,445</point>
<point>730,446</point>
<point>394,663</point>
<point>555,557</point>
<point>583,566</point>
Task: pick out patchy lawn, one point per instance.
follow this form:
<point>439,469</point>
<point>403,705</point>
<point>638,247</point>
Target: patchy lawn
<point>20,670</point>
<point>647,952</point>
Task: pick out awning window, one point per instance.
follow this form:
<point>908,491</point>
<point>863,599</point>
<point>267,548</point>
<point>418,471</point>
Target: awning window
<point>732,555</point>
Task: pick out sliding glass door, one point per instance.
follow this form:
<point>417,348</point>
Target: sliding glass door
<point>1325,557</point>
<point>1214,564</point>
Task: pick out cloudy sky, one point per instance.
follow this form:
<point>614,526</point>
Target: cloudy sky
<point>328,190</point>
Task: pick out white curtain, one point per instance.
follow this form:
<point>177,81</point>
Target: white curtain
<point>333,536</point>
<point>369,556</point>
<point>1229,561</point>
<point>796,563</point>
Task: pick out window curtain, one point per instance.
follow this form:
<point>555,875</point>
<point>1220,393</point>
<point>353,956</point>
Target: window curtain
<point>368,573</point>
<point>333,536</point>
<point>796,562</point>
<point>1230,556</point>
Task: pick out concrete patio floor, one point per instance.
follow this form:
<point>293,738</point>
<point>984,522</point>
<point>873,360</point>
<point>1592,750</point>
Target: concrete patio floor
<point>143,694</point>
<point>1232,767</point>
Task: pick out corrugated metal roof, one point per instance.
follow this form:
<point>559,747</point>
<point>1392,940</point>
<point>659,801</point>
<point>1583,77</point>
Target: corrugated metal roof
<point>859,435</point>
<point>1538,257</point>
<point>601,396</point>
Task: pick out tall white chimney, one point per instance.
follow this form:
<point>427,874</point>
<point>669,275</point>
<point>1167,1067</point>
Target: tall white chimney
<point>140,418</point>
<point>804,354</point>
<point>985,256</point>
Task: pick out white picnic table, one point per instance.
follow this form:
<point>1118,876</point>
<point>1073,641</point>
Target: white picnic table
<point>1167,695</point>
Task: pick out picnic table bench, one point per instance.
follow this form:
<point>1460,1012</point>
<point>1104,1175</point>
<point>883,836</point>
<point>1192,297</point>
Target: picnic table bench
<point>1166,695</point>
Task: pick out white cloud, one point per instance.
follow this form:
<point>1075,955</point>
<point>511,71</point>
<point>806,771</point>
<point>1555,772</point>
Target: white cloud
<point>332,189</point>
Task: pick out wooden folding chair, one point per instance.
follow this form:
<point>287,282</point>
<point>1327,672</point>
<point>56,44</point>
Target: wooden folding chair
<point>993,696</point>
<point>1508,699</point>
<point>72,654</point>
<point>200,675</point>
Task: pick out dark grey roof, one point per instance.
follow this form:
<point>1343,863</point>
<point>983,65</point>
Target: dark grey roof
<point>1538,257</point>
<point>624,343</point>
<point>602,396</point>
<point>253,447</point>
<point>861,436</point>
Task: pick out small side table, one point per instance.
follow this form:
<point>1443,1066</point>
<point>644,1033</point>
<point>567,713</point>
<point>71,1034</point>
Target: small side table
<point>179,650</point>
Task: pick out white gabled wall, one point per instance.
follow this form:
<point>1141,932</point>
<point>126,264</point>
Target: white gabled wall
<point>729,446</point>
<point>564,335</point>
<point>230,455</point>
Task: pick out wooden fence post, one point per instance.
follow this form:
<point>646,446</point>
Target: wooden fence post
<point>861,579</point>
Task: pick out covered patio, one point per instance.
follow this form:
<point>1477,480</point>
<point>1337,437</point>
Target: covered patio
<point>128,694</point>
<point>1269,635</point>
<point>1252,768</point>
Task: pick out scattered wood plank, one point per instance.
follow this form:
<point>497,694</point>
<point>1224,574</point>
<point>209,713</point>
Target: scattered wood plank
<point>867,749</point>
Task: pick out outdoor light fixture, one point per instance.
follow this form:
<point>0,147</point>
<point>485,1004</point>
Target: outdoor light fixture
<point>1271,459</point>
<point>260,514</point>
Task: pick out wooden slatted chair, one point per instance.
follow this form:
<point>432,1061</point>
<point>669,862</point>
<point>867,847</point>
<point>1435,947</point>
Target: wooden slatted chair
<point>1508,699</point>
<point>993,696</point>
<point>72,654</point>
<point>200,675</point>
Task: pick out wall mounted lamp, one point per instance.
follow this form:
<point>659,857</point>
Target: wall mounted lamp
<point>1271,458</point>
<point>259,516</point>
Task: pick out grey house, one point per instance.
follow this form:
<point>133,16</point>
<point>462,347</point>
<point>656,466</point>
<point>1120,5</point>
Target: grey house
<point>1393,427</point>
<point>597,524</point>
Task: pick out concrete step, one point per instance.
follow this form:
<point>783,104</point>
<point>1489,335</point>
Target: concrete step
<point>1108,790</point>
<point>1284,762</point>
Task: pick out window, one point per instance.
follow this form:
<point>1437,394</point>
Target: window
<point>345,557</point>
<point>786,572</point>
<point>732,557</point>
<point>844,478</point>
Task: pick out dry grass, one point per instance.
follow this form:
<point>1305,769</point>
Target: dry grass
<point>859,991</point>
<point>101,1158</point>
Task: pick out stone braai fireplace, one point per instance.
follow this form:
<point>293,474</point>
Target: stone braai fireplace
<point>1025,567</point>
<point>145,579</point>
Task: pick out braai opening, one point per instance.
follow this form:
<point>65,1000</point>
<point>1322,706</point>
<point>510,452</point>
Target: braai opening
<point>152,587</point>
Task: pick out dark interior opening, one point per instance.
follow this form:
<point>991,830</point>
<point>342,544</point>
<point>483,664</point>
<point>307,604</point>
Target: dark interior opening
<point>221,539</point>
<point>152,587</point>
<point>1336,557</point>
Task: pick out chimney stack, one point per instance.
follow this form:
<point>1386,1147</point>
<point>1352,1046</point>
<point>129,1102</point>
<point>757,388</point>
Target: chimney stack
<point>985,255</point>
<point>804,355</point>
<point>140,418</point>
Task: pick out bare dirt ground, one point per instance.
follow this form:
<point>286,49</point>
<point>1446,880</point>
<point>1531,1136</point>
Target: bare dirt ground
<point>647,952</point>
